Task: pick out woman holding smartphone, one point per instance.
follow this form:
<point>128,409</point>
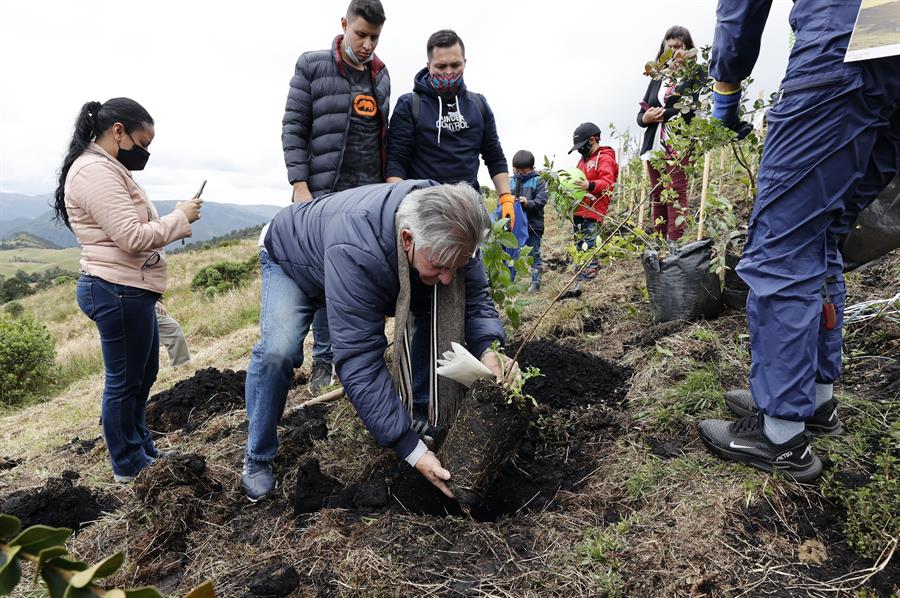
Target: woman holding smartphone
<point>122,262</point>
<point>657,108</point>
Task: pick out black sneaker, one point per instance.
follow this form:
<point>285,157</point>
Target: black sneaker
<point>257,479</point>
<point>744,441</point>
<point>322,376</point>
<point>824,422</point>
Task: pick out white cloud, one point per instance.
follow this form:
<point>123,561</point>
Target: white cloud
<point>215,75</point>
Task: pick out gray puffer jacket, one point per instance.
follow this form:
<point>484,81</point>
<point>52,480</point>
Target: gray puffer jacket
<point>317,116</point>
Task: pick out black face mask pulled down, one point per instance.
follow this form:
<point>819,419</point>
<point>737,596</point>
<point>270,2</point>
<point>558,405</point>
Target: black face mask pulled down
<point>585,150</point>
<point>134,158</point>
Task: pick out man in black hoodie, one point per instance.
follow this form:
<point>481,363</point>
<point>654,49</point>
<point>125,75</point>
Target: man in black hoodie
<point>438,131</point>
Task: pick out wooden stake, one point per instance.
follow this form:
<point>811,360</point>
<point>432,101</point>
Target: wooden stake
<point>703,189</point>
<point>722,161</point>
<point>332,395</point>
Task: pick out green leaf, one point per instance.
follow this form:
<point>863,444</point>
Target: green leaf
<point>204,590</point>
<point>68,564</point>
<point>38,537</point>
<point>104,568</point>
<point>56,582</point>
<point>9,526</point>
<point>47,555</point>
<point>145,592</point>
<point>10,571</point>
<point>73,592</point>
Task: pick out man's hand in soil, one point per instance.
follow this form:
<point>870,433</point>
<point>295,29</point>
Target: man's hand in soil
<point>502,366</point>
<point>430,467</point>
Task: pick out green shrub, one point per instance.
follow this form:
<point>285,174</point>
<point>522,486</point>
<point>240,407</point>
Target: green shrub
<point>872,509</point>
<point>14,309</point>
<point>223,276</point>
<point>27,358</point>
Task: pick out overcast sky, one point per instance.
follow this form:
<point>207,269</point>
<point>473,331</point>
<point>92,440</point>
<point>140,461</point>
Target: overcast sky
<point>214,75</point>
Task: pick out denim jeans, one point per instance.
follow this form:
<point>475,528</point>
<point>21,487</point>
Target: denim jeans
<point>285,316</point>
<point>129,339</point>
<point>585,234</point>
<point>534,241</point>
<point>321,350</point>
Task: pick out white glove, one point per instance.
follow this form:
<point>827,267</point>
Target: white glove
<point>461,366</point>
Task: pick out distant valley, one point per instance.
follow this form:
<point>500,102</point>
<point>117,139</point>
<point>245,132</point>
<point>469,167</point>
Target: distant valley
<point>26,221</point>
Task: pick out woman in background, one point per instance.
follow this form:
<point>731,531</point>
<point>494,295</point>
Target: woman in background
<point>658,108</point>
<point>122,262</point>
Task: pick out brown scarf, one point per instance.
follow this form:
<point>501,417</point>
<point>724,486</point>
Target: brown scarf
<point>448,324</point>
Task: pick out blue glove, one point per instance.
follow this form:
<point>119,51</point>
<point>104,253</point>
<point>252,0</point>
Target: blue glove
<point>725,109</point>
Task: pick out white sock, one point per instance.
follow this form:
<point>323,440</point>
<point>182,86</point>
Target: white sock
<point>824,393</point>
<point>780,431</point>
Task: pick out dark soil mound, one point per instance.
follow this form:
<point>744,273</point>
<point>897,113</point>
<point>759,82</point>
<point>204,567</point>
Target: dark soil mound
<point>60,503</point>
<point>274,580</point>
<point>652,334</point>
<point>193,401</point>
<point>6,463</point>
<point>176,494</point>
<point>301,428</point>
<point>572,378</point>
<point>81,447</point>
<point>578,387</point>
<point>314,489</point>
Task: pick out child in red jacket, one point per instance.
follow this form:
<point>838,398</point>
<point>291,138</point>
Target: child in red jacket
<point>598,163</point>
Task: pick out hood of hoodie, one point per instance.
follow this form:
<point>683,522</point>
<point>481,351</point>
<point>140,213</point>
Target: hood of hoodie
<point>523,178</point>
<point>422,83</point>
<point>603,149</point>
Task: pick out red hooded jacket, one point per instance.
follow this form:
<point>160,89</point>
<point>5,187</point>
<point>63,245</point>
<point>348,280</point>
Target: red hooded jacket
<point>601,172</point>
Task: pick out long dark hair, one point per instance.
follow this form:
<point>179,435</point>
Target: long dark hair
<point>676,31</point>
<point>92,121</point>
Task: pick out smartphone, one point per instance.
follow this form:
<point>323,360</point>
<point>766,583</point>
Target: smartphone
<point>644,105</point>
<point>197,195</point>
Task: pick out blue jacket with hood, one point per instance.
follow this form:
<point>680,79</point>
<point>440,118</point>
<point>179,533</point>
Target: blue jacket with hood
<point>341,249</point>
<point>442,146</point>
<point>534,190</point>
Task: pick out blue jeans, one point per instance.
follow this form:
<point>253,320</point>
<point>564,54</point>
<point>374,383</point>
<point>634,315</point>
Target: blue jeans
<point>129,339</point>
<point>585,234</point>
<point>534,241</point>
<point>321,350</point>
<point>285,316</point>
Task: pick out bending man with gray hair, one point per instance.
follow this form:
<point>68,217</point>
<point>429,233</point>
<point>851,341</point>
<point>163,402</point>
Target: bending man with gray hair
<point>367,253</point>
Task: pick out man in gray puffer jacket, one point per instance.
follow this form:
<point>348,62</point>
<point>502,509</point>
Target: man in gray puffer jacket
<point>334,127</point>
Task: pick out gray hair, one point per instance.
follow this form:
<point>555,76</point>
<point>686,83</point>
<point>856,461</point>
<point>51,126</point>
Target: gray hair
<point>450,221</point>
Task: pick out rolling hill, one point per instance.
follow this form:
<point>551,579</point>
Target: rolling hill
<point>30,215</point>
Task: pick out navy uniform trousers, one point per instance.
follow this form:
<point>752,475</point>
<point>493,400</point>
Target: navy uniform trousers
<point>832,146</point>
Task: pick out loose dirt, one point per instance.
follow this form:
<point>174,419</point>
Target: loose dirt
<point>193,401</point>
<point>61,502</point>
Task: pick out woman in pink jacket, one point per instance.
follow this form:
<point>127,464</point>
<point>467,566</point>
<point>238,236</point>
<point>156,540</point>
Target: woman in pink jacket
<point>122,262</point>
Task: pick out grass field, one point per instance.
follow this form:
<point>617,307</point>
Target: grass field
<point>38,260</point>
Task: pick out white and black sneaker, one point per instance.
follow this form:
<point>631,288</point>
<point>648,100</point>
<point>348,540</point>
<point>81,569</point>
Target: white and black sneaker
<point>824,422</point>
<point>743,441</point>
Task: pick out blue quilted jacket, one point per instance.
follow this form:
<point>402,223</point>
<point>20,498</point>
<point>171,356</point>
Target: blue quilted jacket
<point>342,248</point>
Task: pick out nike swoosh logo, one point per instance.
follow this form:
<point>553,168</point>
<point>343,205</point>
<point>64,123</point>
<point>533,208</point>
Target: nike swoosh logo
<point>739,446</point>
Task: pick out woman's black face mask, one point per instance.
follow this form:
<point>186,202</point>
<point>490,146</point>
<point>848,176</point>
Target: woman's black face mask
<point>133,158</point>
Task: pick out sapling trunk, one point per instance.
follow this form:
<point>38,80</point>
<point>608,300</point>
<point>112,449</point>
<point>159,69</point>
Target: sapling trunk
<point>486,433</point>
